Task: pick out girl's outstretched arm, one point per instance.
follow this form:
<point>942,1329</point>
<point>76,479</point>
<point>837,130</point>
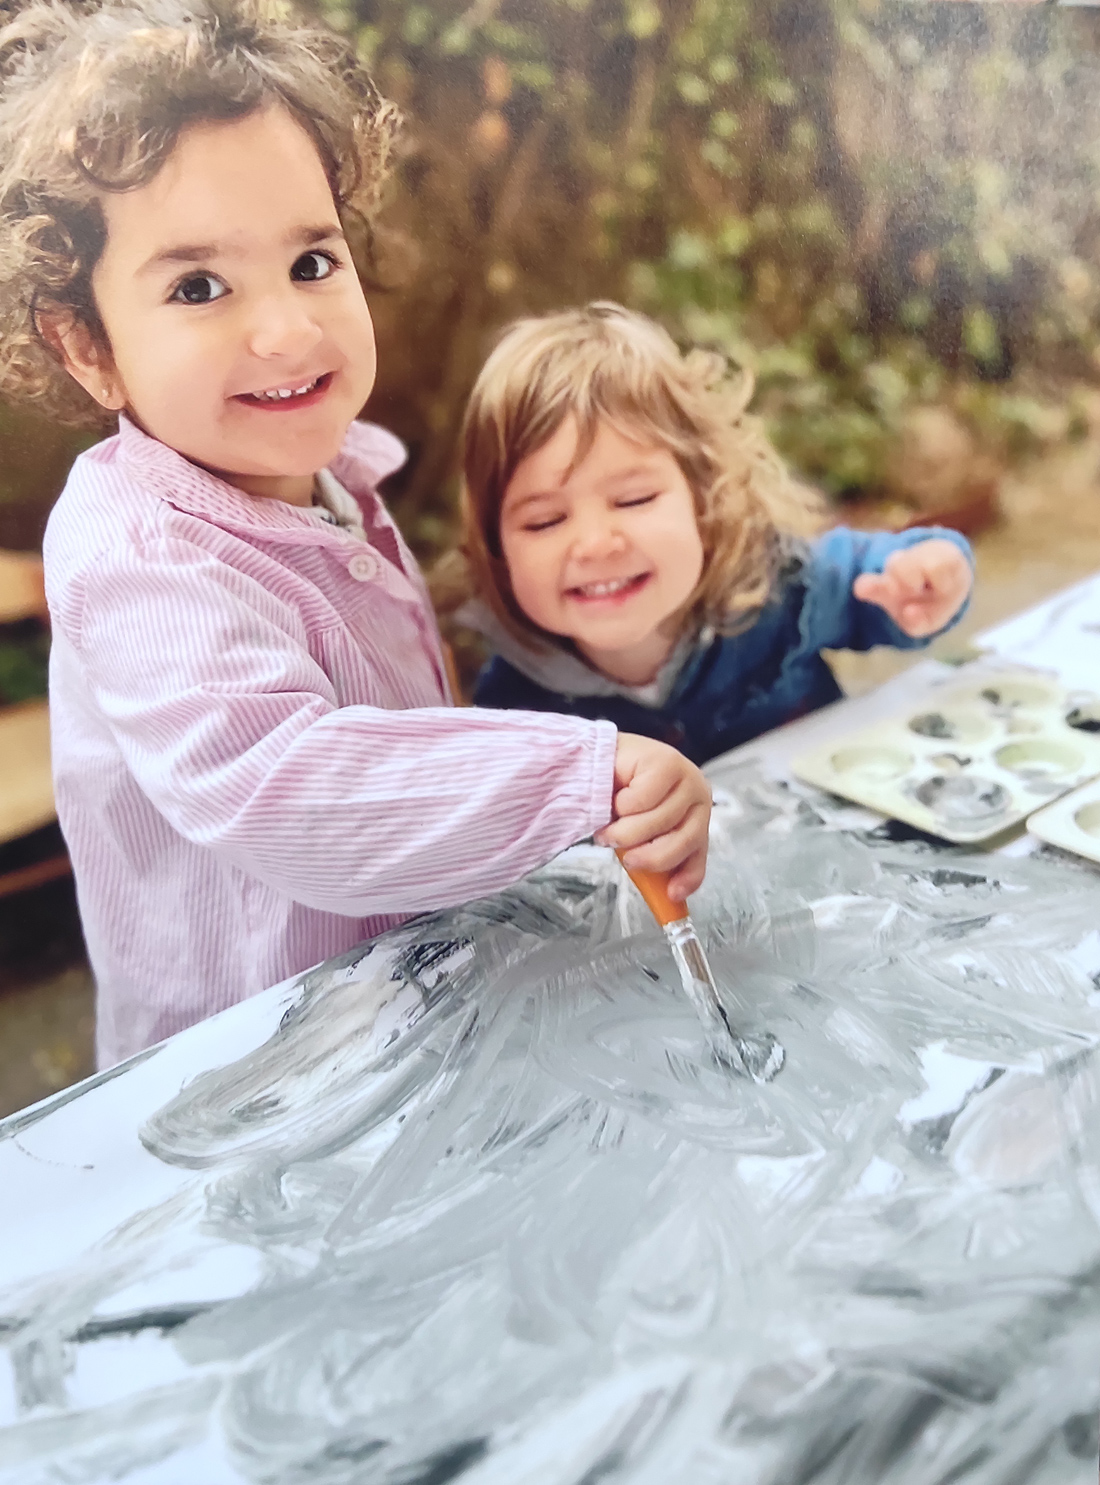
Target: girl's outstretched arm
<point>845,611</point>
<point>234,731</point>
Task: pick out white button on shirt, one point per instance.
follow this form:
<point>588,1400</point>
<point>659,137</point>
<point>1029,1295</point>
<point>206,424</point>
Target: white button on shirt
<point>363,567</point>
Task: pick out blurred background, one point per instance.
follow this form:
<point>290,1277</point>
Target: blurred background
<point>889,212</point>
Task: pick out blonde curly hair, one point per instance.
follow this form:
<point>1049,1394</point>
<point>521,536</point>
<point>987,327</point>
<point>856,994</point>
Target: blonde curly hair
<point>605,364</point>
<point>93,98</point>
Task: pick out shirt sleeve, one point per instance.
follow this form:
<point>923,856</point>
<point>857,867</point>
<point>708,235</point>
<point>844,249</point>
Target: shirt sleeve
<point>833,618</point>
<point>235,734</point>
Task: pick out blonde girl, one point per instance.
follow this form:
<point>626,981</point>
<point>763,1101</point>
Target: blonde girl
<point>639,553</point>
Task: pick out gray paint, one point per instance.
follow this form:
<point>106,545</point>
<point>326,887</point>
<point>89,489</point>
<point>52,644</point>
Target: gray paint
<point>516,1225</point>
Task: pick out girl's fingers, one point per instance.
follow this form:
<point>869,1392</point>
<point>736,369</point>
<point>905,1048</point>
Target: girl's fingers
<point>670,849</point>
<point>662,808</point>
<point>688,878</point>
<point>935,568</point>
<point>647,790</point>
<point>919,618</point>
<point>886,590</point>
<point>872,587</point>
<point>639,828</point>
<point>920,588</point>
<point>911,571</point>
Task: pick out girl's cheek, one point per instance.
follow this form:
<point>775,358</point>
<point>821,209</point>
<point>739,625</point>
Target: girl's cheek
<point>540,570</point>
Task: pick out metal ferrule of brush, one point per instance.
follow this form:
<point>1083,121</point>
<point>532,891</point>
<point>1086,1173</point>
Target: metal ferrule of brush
<point>683,938</point>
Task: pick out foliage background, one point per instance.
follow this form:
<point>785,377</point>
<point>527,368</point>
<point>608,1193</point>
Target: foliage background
<point>874,205</point>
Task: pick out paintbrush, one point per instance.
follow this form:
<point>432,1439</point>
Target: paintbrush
<point>756,1057</point>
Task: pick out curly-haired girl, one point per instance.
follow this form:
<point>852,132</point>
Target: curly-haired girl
<point>255,758</point>
<point>640,554</point>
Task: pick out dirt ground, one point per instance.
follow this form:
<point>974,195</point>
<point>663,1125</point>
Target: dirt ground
<point>1048,537</point>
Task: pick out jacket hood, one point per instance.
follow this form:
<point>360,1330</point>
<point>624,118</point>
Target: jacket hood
<point>560,670</point>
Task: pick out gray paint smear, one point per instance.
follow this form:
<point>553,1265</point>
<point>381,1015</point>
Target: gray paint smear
<point>517,1227</point>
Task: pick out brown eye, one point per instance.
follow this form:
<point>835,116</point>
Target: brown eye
<point>312,267</point>
<point>199,288</point>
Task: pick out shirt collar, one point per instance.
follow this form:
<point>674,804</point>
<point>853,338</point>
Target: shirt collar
<point>368,454</point>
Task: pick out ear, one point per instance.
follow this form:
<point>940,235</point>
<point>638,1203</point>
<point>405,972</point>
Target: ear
<point>86,361</point>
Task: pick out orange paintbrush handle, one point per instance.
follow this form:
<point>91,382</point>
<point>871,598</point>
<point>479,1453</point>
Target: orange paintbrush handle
<point>653,885</point>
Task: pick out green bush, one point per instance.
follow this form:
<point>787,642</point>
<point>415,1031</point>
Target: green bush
<point>873,205</point>
<point>24,656</point>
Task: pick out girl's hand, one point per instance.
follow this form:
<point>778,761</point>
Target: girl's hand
<point>922,588</point>
<point>662,811</point>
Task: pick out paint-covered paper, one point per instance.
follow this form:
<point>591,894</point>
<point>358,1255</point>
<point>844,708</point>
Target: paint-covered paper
<point>477,1205</point>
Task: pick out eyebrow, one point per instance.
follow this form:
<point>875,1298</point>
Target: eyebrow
<point>205,252</point>
<point>624,476</point>
<point>533,497</point>
<point>609,482</point>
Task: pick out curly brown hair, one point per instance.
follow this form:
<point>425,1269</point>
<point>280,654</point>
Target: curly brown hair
<point>93,98</point>
<point>605,364</point>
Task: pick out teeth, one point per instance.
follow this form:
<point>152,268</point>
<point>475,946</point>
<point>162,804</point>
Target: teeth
<point>282,392</point>
<point>604,590</point>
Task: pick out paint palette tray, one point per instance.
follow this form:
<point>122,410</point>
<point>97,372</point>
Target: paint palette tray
<point>976,759</point>
<point>1073,823</point>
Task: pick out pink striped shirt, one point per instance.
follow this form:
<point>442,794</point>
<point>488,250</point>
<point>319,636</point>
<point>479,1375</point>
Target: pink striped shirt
<point>256,760</point>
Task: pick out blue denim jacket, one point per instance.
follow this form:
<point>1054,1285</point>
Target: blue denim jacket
<point>731,688</point>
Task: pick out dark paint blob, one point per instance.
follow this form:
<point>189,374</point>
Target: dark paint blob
<point>934,724</point>
<point>1084,718</point>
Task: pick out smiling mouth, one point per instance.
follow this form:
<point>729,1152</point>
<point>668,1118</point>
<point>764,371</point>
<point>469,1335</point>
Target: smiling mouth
<point>610,590</point>
<point>293,395</point>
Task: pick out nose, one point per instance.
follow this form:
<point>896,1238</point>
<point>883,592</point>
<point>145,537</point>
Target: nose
<point>283,326</point>
<point>596,536</point>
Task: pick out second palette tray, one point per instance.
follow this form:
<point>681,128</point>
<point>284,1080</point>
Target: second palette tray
<point>981,758</point>
<point>1072,822</point>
